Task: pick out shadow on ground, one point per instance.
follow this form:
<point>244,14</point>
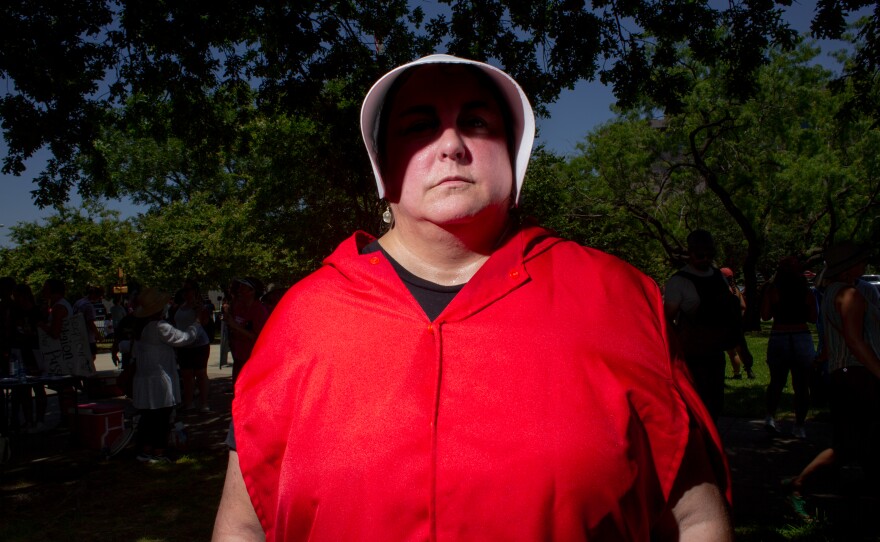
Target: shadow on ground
<point>55,489</point>
<point>841,505</point>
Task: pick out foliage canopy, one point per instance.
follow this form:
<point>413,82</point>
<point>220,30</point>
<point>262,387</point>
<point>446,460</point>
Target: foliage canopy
<point>236,123</point>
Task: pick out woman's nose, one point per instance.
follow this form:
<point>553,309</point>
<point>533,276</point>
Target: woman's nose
<point>451,144</point>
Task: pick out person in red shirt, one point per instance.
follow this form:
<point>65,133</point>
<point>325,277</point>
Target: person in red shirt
<point>245,317</point>
<point>467,375</point>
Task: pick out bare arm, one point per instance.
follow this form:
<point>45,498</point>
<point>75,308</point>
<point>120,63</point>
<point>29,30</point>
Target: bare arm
<point>742,300</point>
<point>235,328</point>
<point>697,509</point>
<point>59,313</point>
<point>240,330</point>
<point>236,519</point>
<point>93,328</point>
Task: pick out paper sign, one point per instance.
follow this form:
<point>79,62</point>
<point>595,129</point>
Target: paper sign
<point>69,355</point>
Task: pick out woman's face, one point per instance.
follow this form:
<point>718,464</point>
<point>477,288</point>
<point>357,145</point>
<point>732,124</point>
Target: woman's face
<point>244,292</point>
<point>447,160</point>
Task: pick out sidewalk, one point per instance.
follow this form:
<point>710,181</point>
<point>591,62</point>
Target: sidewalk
<point>104,362</point>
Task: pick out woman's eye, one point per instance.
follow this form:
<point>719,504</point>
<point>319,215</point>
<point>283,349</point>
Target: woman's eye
<point>476,122</point>
<point>419,126</point>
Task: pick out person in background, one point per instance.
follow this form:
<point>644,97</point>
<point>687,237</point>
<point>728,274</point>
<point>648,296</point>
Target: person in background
<point>124,333</point>
<point>245,317</point>
<point>705,318</point>
<point>193,358</point>
<point>272,297</point>
<point>790,303</point>
<point>26,345</point>
<point>740,356</point>
<point>852,343</point>
<point>870,292</point>
<point>7,307</point>
<point>86,306</point>
<point>224,329</point>
<point>118,311</point>
<point>59,309</point>
<point>466,376</point>
<point>176,301</point>
<point>156,386</point>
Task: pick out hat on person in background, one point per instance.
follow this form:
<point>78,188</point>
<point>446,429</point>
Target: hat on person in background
<point>843,256</point>
<point>520,109</point>
<point>253,283</point>
<point>150,302</point>
<point>727,272</point>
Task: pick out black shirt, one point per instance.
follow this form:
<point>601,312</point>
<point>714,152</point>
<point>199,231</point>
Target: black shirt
<point>432,297</point>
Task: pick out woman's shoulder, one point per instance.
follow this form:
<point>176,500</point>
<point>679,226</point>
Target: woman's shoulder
<point>588,263</point>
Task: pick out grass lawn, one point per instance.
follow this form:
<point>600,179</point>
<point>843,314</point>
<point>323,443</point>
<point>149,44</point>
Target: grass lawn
<point>843,508</point>
<point>746,398</point>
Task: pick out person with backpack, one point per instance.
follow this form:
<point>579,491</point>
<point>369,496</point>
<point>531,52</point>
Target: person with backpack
<point>705,320</point>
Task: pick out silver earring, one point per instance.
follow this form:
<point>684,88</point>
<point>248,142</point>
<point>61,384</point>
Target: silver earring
<point>387,217</point>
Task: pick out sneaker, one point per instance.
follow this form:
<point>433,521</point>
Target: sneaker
<point>160,459</point>
<point>738,376</point>
<point>205,410</point>
<point>799,432</point>
<point>750,373</point>
<point>144,458</point>
<point>798,505</point>
<point>770,425</point>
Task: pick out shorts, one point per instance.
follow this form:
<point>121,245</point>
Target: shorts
<point>193,358</point>
<point>855,413</point>
<point>790,350</point>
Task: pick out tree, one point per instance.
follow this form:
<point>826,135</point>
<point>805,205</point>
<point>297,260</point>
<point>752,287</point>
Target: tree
<point>247,112</point>
<point>79,246</point>
<point>626,173</point>
<point>202,240</point>
<point>861,72</point>
<point>84,68</point>
<point>781,173</point>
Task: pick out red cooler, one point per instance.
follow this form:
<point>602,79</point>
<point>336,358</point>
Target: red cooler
<point>97,424</point>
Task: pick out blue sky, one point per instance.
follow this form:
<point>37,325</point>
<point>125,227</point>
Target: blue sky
<point>574,115</point>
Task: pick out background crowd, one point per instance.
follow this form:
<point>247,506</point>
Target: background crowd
<point>841,360</point>
<point>161,344</point>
